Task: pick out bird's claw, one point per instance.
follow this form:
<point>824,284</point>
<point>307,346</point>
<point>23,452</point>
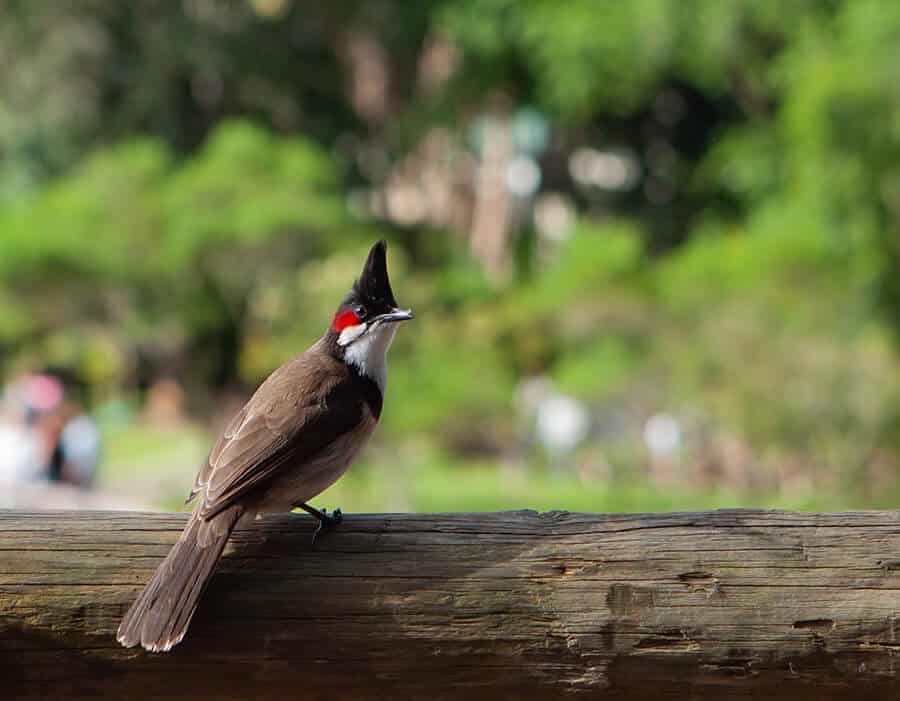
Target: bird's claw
<point>322,517</point>
<point>333,519</point>
<point>326,521</point>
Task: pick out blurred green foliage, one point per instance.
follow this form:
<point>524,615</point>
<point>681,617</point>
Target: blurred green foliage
<point>148,242</point>
<point>174,200</point>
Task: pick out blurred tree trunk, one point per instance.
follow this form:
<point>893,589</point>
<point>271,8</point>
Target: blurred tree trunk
<point>490,233</point>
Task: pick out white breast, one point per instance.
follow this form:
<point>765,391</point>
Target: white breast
<point>368,352</point>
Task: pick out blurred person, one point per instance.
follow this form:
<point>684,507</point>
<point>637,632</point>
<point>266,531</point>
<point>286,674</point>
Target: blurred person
<point>74,440</point>
<point>68,439</point>
<point>20,446</point>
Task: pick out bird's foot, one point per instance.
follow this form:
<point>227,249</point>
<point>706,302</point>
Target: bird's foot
<point>332,519</point>
<point>325,520</point>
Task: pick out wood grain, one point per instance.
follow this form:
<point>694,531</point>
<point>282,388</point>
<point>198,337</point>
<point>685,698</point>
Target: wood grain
<point>725,604</point>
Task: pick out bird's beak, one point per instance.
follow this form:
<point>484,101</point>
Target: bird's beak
<point>395,315</point>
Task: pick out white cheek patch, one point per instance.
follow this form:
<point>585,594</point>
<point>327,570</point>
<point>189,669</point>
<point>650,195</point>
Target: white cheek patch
<point>350,334</point>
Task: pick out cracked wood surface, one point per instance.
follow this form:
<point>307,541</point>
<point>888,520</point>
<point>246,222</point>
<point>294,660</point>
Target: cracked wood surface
<point>724,604</point>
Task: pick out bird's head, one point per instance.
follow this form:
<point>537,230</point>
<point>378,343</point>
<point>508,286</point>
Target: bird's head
<point>366,321</point>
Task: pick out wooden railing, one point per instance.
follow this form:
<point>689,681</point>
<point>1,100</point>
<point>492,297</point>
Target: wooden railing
<point>517,605</point>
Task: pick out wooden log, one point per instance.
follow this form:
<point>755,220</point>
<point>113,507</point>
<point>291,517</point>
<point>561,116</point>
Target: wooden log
<point>725,604</point>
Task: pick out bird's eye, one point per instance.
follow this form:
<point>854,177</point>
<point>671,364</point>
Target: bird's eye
<point>360,311</point>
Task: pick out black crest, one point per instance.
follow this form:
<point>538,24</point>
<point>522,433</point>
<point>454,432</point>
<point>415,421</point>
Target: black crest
<point>373,288</point>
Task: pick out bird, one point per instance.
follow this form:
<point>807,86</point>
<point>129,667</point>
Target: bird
<point>295,436</point>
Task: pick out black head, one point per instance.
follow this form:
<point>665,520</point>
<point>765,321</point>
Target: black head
<point>371,301</point>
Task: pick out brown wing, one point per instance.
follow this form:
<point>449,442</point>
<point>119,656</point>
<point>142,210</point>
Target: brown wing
<point>283,423</point>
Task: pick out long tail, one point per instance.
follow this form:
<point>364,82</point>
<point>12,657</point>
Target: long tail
<point>160,616</point>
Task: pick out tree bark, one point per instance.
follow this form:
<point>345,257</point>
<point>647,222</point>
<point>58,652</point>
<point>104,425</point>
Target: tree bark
<point>725,604</point>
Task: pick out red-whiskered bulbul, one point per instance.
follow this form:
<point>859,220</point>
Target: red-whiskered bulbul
<point>296,435</point>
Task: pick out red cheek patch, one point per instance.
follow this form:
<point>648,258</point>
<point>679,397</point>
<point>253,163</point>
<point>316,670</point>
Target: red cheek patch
<point>344,319</point>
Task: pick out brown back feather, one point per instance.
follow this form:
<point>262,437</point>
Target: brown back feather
<point>297,412</point>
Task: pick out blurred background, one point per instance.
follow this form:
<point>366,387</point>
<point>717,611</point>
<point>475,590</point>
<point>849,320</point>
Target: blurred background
<point>653,246</point>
